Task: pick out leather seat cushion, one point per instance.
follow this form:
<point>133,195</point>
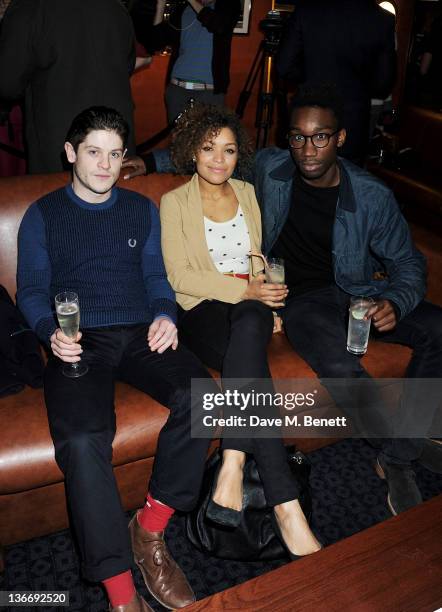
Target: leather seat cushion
<point>27,452</point>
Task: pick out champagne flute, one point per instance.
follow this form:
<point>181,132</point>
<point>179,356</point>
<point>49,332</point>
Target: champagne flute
<point>68,315</point>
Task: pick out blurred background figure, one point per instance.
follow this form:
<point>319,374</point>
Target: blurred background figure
<point>64,56</point>
<point>3,6</point>
<point>349,43</point>
<point>142,13</point>
<point>11,141</point>
<point>431,66</point>
<point>200,34</point>
<point>424,71</point>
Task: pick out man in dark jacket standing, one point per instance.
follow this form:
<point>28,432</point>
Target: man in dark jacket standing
<point>64,56</point>
<point>350,43</point>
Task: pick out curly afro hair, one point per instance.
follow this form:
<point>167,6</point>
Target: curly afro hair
<point>322,95</point>
<point>201,122</point>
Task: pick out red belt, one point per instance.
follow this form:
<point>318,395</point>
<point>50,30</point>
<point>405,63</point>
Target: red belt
<point>244,276</point>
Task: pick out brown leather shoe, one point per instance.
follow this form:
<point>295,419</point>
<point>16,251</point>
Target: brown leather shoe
<point>137,604</point>
<point>163,578</point>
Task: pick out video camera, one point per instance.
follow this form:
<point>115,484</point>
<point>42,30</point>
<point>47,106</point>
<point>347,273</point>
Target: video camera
<point>273,25</point>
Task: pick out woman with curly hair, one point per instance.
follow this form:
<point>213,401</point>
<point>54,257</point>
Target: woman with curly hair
<point>209,226</point>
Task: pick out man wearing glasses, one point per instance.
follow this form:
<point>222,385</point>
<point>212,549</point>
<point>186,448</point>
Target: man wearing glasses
<point>336,226</point>
<point>351,44</point>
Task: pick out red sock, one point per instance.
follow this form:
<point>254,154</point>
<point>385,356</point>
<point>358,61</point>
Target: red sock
<point>155,515</point>
<point>120,589</point>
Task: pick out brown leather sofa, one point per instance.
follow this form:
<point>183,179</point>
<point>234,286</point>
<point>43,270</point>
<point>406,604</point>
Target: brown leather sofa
<point>32,498</point>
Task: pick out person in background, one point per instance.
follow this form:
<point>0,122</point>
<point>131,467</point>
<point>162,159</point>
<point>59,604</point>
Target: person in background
<point>3,6</point>
<point>103,243</point>
<point>430,68</point>
<point>200,33</point>
<point>349,43</point>
<point>64,56</point>
<point>208,227</point>
<point>11,129</point>
<point>142,13</point>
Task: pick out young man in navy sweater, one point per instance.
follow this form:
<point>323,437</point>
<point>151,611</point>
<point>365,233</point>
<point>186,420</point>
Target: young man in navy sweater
<point>103,243</point>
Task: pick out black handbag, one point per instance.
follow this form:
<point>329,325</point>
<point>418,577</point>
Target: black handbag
<point>254,539</point>
<point>21,360</point>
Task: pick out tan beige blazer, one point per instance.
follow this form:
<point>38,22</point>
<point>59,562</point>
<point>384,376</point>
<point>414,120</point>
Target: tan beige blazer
<point>190,268</point>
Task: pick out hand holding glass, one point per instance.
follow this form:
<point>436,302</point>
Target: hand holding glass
<point>68,315</point>
<point>274,271</point>
<point>358,327</point>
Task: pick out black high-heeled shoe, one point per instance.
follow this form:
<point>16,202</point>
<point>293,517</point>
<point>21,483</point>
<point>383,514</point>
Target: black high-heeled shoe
<point>278,532</point>
<point>228,517</point>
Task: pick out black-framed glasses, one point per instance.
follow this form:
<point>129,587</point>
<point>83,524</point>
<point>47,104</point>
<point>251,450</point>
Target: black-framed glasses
<point>319,140</point>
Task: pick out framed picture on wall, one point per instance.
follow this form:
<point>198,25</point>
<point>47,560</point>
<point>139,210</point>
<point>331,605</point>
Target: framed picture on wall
<point>285,5</point>
<point>242,25</point>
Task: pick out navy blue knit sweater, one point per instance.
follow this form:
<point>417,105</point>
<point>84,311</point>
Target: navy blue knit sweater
<point>109,254</point>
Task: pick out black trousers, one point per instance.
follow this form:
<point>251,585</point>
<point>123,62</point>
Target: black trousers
<point>82,424</point>
<point>316,327</point>
<point>233,339</point>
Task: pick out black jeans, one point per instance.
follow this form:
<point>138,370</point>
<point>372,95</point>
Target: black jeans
<point>316,327</point>
<point>233,339</point>
<point>82,424</point>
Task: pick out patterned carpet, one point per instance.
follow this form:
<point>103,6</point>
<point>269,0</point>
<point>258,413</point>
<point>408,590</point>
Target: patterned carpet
<point>348,497</point>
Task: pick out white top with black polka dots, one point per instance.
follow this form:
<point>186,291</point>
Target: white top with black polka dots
<point>229,244</point>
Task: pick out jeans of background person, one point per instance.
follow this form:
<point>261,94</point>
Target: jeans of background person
<point>82,424</point>
<point>316,327</point>
<point>233,339</point>
<point>177,98</point>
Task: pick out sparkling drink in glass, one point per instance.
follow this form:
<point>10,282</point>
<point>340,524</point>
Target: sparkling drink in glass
<point>68,315</point>
<point>275,271</point>
<point>358,327</point>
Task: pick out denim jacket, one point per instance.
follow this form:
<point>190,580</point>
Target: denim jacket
<point>372,250</point>
<point>370,235</point>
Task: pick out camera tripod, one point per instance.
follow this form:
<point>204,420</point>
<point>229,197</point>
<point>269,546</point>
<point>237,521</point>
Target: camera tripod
<point>262,65</point>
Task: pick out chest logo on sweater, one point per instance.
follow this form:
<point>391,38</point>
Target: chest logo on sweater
<point>132,243</point>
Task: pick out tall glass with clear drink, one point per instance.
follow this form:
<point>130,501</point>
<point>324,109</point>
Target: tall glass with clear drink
<point>275,271</point>
<point>358,327</point>
<point>68,315</point>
